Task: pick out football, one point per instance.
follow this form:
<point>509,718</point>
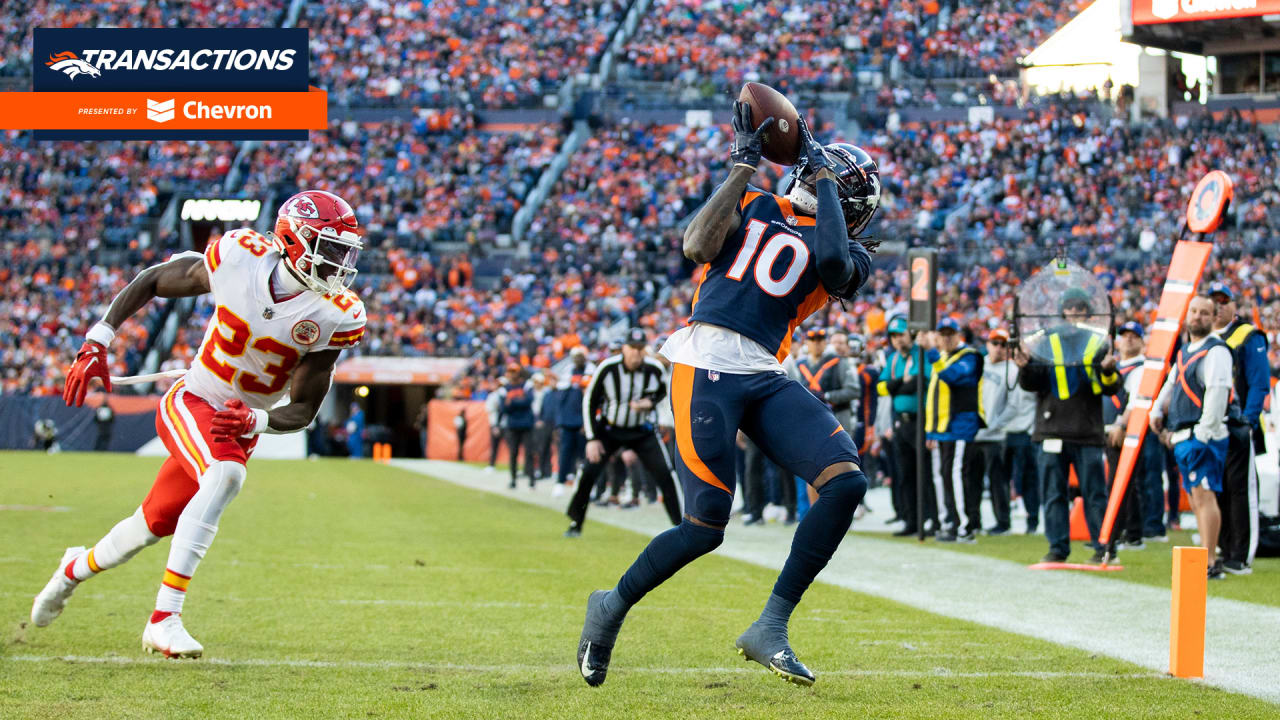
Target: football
<point>782,140</point>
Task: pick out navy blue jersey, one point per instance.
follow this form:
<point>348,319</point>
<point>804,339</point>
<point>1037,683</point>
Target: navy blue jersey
<point>765,280</point>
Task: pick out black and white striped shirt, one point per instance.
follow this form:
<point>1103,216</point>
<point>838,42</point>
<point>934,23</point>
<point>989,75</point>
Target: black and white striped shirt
<point>607,401</point>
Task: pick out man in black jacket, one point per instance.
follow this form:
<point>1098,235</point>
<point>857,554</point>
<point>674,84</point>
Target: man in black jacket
<point>1069,426</point>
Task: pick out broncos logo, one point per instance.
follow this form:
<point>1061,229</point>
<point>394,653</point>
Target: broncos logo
<point>67,62</point>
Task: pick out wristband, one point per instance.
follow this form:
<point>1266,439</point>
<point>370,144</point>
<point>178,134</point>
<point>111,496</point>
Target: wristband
<point>748,166</point>
<point>101,333</point>
<point>259,422</point>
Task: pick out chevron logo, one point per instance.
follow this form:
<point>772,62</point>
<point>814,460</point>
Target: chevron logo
<point>160,111</point>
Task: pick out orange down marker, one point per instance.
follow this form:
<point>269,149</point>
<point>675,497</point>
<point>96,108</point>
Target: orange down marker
<point>1186,622</point>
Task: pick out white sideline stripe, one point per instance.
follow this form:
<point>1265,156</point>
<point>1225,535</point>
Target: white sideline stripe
<point>36,508</point>
<point>1123,620</point>
<point>396,665</point>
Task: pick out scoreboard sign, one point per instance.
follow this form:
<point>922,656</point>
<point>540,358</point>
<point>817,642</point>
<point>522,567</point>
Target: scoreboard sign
<point>1152,12</point>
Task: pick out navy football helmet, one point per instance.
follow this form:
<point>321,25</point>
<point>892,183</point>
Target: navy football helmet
<point>858,183</point>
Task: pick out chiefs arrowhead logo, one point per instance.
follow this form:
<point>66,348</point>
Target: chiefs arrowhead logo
<point>305,332</point>
<point>302,207</point>
<point>69,63</point>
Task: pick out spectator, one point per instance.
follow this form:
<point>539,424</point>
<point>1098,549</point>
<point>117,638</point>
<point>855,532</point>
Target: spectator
<point>1069,421</point>
<point>1251,385</point>
<point>991,457</point>
<point>569,416</point>
<point>900,385</point>
<point>355,431</point>
<point>1115,417</point>
<point>544,425</point>
<point>518,419</point>
<point>1190,415</point>
<point>953,416</point>
<point>1021,451</point>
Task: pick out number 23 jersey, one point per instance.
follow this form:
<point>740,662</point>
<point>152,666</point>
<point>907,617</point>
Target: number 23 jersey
<point>253,343</point>
<point>764,282</point>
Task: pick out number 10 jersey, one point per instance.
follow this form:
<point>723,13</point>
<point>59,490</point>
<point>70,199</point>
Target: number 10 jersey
<point>253,343</point>
<point>764,282</point>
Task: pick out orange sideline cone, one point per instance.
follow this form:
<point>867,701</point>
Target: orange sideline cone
<point>1079,528</point>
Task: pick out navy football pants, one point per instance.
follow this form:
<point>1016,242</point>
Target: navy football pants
<point>793,428</point>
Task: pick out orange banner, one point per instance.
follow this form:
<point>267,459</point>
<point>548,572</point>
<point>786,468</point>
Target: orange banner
<point>162,110</point>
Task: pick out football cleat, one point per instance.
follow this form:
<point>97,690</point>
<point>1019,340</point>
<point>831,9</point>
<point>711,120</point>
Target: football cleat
<point>593,657</point>
<point>593,661</point>
<point>53,598</point>
<point>575,530</point>
<point>785,665</point>
<point>170,639</point>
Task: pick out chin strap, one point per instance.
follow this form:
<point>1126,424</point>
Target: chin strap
<point>802,200</point>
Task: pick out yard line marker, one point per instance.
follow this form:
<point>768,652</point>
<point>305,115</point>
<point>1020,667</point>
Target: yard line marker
<point>566,668</point>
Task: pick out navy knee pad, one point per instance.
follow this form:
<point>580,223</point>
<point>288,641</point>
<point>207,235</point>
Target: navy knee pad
<point>845,490</point>
<point>699,540</point>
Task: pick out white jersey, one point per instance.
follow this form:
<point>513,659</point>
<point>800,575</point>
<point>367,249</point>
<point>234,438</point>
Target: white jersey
<point>253,343</point>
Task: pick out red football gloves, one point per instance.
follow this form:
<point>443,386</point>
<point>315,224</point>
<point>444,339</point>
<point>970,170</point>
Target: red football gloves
<point>91,362</point>
<point>233,423</point>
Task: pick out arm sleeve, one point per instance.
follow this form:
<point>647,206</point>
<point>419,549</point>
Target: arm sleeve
<point>837,268</point>
<point>1256,375</point>
<point>590,401</point>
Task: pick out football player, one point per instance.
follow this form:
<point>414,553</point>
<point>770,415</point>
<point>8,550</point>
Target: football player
<point>283,315</point>
<point>770,261</point>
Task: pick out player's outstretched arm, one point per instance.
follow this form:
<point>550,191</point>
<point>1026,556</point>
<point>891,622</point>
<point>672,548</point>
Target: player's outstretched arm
<point>719,216</point>
<point>182,276</point>
<point>310,383</point>
<point>842,266</point>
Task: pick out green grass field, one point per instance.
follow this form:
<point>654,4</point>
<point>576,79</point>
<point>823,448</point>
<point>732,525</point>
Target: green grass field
<point>347,589</point>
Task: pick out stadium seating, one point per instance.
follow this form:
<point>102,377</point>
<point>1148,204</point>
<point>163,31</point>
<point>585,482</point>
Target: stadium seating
<point>436,192</point>
<point>485,53</point>
<point>711,48</point>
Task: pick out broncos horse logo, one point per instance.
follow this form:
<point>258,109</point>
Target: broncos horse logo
<point>67,62</point>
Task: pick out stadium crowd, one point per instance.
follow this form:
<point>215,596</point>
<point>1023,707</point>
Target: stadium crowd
<point>72,233</point>
<point>482,53</point>
<point>436,179</point>
<point>705,48</point>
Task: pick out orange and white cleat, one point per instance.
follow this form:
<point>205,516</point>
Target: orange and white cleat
<point>53,598</point>
<point>170,639</point>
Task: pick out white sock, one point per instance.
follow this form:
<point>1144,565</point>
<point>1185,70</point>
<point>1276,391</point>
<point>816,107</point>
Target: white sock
<point>195,530</point>
<point>124,541</point>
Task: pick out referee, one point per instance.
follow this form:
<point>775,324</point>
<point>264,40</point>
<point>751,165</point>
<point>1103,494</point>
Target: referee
<point>617,414</point>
